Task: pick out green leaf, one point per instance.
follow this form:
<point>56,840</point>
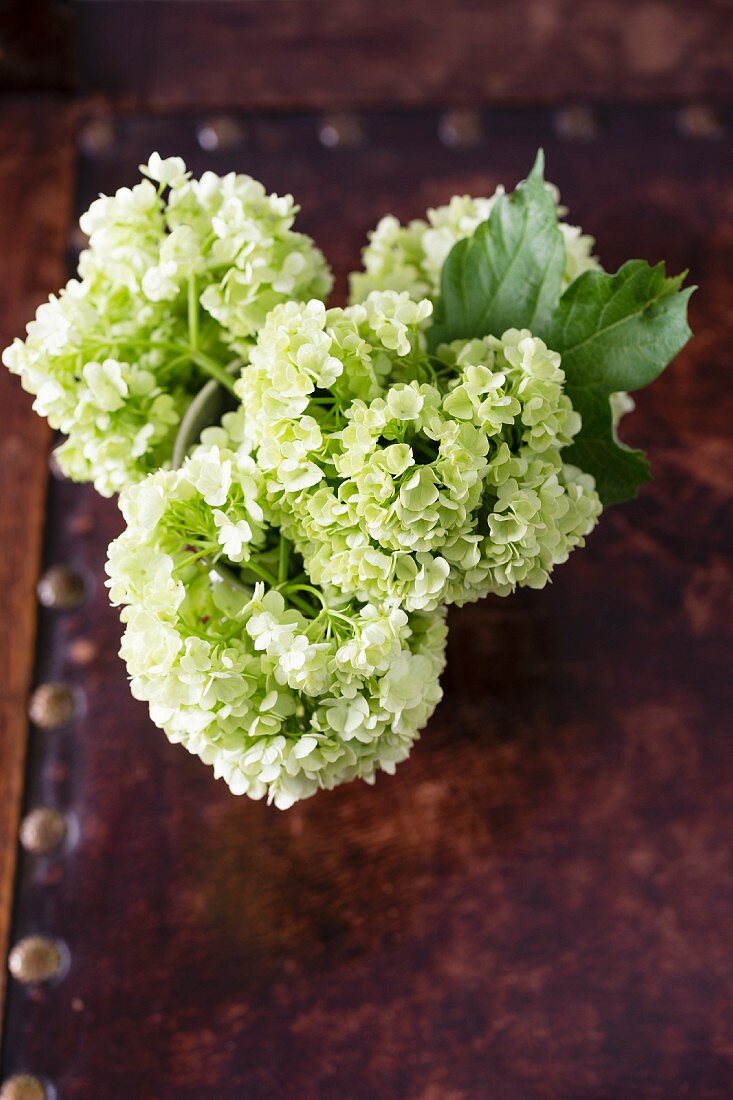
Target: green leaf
<point>508,274</point>
<point>618,470</point>
<point>628,326</point>
<point>615,332</point>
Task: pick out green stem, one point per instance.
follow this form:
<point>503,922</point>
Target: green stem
<point>337,615</point>
<point>305,588</point>
<point>159,345</point>
<point>229,577</point>
<point>192,558</point>
<point>284,559</point>
<point>263,573</point>
<point>270,578</point>
<point>193,313</point>
<point>214,369</point>
<point>172,364</point>
<point>300,604</point>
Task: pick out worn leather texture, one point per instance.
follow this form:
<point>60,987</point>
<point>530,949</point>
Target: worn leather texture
<point>539,903</point>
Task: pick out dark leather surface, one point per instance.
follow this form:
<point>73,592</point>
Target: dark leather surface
<point>540,902</point>
<point>170,55</point>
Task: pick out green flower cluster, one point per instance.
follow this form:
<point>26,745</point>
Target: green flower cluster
<point>178,278</point>
<point>399,475</point>
<point>283,589</point>
<point>281,687</point>
<point>410,257</point>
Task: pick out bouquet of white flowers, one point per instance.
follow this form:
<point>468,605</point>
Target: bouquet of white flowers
<point>306,489</point>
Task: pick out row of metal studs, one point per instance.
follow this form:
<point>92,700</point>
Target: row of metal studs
<point>45,830</point>
<point>457,129</point>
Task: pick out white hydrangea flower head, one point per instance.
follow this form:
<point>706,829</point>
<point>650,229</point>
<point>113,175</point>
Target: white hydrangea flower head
<point>178,278</point>
<point>410,257</point>
<point>282,688</point>
<point>409,477</point>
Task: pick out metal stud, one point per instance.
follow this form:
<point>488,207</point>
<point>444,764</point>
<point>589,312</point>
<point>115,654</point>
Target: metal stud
<point>82,523</point>
<point>54,467</point>
<point>52,705</point>
<point>23,1087</point>
<point>57,772</point>
<point>97,136</point>
<point>78,240</point>
<point>42,830</point>
<point>461,129</point>
<point>82,651</point>
<point>576,122</point>
<point>60,588</point>
<point>341,131</point>
<point>700,121</point>
<point>220,134</point>
<point>35,959</point>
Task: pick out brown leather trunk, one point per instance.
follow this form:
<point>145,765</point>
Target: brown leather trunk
<point>540,902</point>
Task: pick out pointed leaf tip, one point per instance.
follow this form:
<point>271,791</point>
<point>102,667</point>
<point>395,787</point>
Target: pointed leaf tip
<point>509,273</point>
<point>538,168</point>
<point>616,332</point>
